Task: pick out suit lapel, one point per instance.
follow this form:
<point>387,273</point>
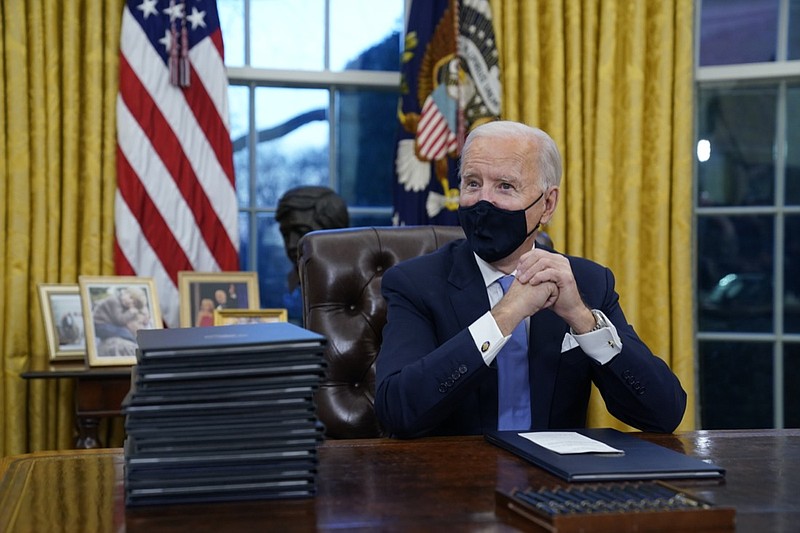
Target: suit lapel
<point>467,291</point>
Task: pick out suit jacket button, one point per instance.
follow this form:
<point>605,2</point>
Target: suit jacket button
<point>462,369</point>
<point>442,388</point>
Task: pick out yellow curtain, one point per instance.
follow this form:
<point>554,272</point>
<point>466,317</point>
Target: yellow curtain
<point>57,180</point>
<point>611,81</point>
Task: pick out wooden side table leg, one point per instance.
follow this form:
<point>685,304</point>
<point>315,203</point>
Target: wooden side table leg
<point>95,399</point>
<point>88,432</point>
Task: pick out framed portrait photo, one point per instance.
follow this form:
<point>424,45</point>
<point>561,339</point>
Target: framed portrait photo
<point>115,308</point>
<point>63,321</point>
<point>202,293</point>
<point>226,317</point>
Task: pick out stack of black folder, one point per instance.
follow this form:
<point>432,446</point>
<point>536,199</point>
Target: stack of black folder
<point>223,413</point>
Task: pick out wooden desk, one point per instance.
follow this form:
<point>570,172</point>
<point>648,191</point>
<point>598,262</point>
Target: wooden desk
<point>98,394</point>
<point>387,485</point>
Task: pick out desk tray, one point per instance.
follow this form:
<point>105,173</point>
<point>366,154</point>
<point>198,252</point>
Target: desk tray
<point>612,508</point>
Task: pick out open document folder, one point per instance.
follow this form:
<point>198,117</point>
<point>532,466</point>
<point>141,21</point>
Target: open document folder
<point>613,456</point>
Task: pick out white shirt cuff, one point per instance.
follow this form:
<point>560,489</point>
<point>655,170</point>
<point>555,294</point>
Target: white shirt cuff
<point>487,337</point>
<point>602,344</point>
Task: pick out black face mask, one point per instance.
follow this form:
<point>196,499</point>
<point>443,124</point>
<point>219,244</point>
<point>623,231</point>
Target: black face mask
<point>492,232</point>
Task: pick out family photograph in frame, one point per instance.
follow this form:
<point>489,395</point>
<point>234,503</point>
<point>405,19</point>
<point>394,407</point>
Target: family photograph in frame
<point>202,293</point>
<point>226,317</point>
<point>115,308</point>
<point>63,321</point>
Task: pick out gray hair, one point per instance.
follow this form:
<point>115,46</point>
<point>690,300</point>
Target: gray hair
<point>548,160</point>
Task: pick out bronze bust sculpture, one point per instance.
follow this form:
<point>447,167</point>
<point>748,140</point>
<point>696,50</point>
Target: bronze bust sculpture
<point>305,209</point>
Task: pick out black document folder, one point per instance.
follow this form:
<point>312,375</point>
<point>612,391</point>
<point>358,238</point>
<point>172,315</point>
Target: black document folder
<point>641,459</point>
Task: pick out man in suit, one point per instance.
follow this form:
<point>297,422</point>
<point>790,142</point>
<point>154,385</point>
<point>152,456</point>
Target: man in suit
<point>445,365</point>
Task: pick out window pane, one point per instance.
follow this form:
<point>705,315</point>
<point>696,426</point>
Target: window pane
<point>371,219</point>
<point>287,35</point>
<point>794,30</point>
<point>365,146</point>
<point>791,386</point>
<point>231,21</point>
<point>293,140</point>
<point>244,242</point>
<point>737,127</point>
<point>791,299</point>
<point>735,385</point>
<point>793,144</point>
<point>738,31</point>
<point>735,273</point>
<point>365,34</point>
<point>239,109</point>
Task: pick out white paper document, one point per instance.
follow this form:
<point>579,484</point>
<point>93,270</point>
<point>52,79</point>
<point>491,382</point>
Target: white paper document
<point>569,442</point>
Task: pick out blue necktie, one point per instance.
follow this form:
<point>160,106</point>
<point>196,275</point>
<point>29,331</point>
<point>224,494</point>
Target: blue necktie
<point>514,392</point>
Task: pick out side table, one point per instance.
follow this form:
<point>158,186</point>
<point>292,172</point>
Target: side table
<point>98,394</point>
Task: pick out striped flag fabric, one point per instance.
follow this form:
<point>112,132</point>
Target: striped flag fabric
<point>450,83</point>
<point>175,204</point>
<point>435,136</point>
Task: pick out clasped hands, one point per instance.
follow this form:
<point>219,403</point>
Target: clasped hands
<point>543,280</point>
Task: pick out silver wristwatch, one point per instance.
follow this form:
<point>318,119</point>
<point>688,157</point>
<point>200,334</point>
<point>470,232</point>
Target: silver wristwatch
<point>600,321</point>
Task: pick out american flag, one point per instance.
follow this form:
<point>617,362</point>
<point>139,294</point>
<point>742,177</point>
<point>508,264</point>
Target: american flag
<point>175,206</point>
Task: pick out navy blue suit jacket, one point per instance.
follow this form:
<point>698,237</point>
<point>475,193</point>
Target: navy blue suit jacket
<point>432,380</point>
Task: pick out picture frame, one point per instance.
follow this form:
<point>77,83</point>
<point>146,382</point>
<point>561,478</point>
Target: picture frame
<point>203,292</point>
<point>63,321</point>
<point>226,317</point>
<point>114,309</point>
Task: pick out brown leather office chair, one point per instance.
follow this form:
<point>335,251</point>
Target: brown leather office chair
<point>340,276</point>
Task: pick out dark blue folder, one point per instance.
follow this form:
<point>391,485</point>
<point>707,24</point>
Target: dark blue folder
<point>641,460</point>
<point>209,341</point>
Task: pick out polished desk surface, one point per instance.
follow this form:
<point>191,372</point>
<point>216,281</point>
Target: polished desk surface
<point>388,485</point>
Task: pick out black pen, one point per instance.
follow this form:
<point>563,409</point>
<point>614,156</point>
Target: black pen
<point>577,498</point>
<point>540,503</point>
<point>559,500</point>
<point>598,502</point>
<point>613,499</point>
<point>643,497</point>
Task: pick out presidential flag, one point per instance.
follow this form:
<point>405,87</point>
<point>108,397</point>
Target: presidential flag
<point>450,83</point>
<point>175,205</point>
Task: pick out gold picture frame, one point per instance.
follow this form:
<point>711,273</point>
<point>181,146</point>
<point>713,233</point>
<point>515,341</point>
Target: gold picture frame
<point>63,321</point>
<point>226,317</point>
<point>114,309</point>
<point>201,293</point>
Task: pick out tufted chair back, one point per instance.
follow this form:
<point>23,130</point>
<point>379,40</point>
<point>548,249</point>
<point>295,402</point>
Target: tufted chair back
<point>340,276</point>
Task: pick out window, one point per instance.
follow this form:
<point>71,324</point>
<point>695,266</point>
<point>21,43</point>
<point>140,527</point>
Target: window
<point>747,213</point>
<point>314,86</point>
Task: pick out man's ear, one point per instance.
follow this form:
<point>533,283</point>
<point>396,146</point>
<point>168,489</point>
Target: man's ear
<point>550,204</point>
